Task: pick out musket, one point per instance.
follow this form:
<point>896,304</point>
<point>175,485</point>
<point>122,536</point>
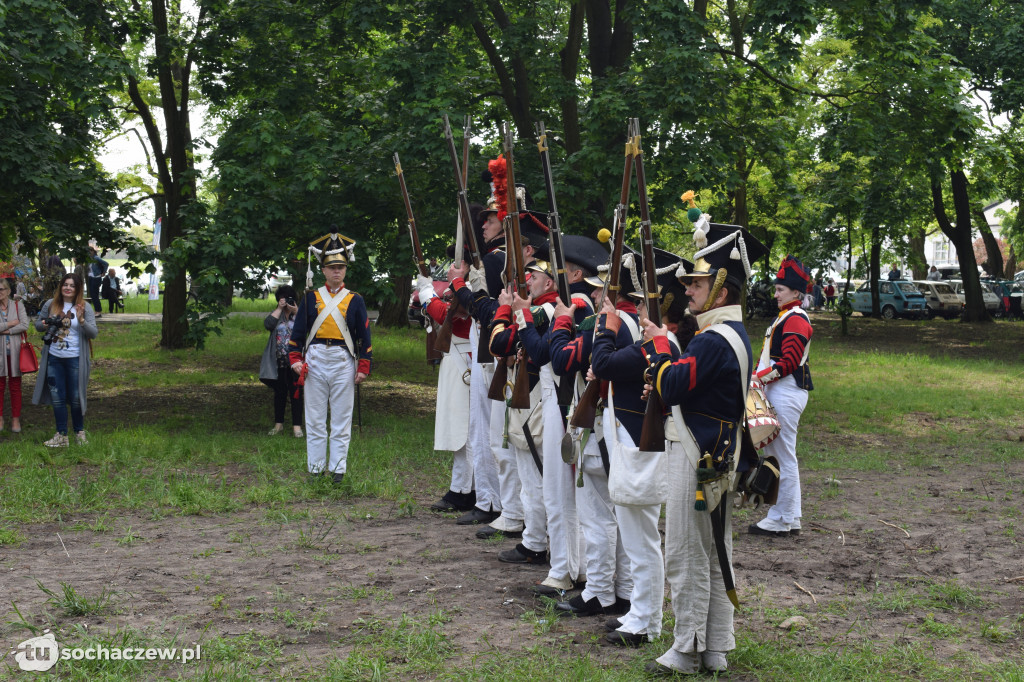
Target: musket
<point>413,234</point>
<point>483,355</point>
<point>652,435</point>
<point>519,399</point>
<point>566,384</point>
<point>433,344</point>
<point>586,408</point>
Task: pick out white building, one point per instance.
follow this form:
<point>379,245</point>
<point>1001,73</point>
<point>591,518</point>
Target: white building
<point>938,251</point>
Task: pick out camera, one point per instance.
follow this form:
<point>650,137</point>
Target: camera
<point>290,300</point>
<point>54,324</point>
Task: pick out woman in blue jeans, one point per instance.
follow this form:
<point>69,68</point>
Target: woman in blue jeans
<point>64,366</point>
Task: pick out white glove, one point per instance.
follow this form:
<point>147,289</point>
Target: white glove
<point>425,287</point>
<point>477,279</point>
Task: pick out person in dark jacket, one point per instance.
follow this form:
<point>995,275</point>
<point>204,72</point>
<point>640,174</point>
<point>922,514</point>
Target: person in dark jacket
<point>97,268</point>
<point>706,388</point>
<point>275,368</point>
<point>110,289</point>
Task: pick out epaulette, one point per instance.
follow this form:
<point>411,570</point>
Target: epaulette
<point>540,316</point>
<point>588,323</point>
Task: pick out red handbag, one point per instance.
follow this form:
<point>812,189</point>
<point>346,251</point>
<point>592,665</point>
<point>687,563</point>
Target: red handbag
<point>29,360</point>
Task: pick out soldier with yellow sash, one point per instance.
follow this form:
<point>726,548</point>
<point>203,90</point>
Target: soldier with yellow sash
<point>330,351</point>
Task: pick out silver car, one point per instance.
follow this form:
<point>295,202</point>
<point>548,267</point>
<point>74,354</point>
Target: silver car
<point>990,299</point>
<point>940,298</point>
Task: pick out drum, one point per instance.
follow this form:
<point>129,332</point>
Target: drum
<point>762,422</point>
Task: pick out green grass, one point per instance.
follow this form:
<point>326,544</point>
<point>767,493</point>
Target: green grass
<point>940,409</point>
<point>191,426</point>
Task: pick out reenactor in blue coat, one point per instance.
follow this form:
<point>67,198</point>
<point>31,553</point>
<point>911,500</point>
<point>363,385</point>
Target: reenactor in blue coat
<point>705,387</point>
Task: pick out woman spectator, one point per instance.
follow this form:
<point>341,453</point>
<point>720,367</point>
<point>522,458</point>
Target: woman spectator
<point>275,371</point>
<point>69,327</point>
<point>787,379</point>
<point>13,322</point>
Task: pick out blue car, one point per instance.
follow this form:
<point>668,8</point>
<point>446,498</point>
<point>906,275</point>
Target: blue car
<point>896,299</point>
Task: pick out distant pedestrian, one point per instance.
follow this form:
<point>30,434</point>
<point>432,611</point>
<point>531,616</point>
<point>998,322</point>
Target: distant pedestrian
<point>110,289</point>
<point>934,275</point>
<point>275,369</point>
<point>830,295</point>
<point>894,274</point>
<point>819,295</point>
<point>95,271</point>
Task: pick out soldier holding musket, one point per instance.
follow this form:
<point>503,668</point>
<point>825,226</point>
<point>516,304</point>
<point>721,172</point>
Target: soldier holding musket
<point>705,387</point>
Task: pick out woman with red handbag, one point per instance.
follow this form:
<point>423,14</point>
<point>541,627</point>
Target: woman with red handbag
<point>13,323</point>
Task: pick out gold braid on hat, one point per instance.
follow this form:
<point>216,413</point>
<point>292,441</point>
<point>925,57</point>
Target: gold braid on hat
<point>715,289</point>
<point>666,303</point>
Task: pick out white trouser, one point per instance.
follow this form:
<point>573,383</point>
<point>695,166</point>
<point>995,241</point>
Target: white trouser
<point>462,472</point>
<point>703,612</point>
<point>535,535</point>
<point>608,570</point>
<point>789,401</point>
<point>330,382</point>
<point>506,462</point>
<point>641,542</point>
<point>559,487</point>
<point>485,467</point>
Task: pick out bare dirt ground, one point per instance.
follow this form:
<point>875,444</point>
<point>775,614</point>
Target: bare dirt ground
<point>883,558</point>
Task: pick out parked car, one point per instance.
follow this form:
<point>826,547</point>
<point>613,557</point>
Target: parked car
<point>265,285</point>
<point>990,299</point>
<point>1009,293</point>
<point>896,299</point>
<point>940,299</point>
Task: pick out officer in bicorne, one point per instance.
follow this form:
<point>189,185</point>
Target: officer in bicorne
<point>330,350</point>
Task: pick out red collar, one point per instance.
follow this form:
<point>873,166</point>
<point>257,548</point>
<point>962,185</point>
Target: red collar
<point>625,305</point>
<point>546,298</point>
<point>791,305</point>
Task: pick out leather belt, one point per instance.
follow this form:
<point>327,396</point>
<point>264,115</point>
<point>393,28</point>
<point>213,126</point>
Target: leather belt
<point>327,342</point>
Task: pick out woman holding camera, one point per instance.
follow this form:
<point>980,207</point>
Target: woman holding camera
<point>13,321</point>
<point>69,327</point>
<point>275,371</point>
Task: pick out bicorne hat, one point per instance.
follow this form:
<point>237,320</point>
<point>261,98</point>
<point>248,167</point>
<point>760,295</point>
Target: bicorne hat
<point>331,249</point>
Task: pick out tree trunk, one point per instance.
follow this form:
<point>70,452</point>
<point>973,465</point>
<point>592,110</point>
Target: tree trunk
<point>994,263</point>
<point>1011,264</point>
<point>396,313</point>
<point>875,269</point>
<point>844,305</point>
<point>960,236</point>
<point>569,58</point>
<point>740,212</point>
<point>918,260</point>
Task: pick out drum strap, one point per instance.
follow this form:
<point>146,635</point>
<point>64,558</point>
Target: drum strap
<point>730,335</point>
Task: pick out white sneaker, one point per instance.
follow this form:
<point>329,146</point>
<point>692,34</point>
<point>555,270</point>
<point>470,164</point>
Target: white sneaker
<point>714,661</point>
<point>59,440</point>
<point>297,432</point>
<point>82,440</point>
